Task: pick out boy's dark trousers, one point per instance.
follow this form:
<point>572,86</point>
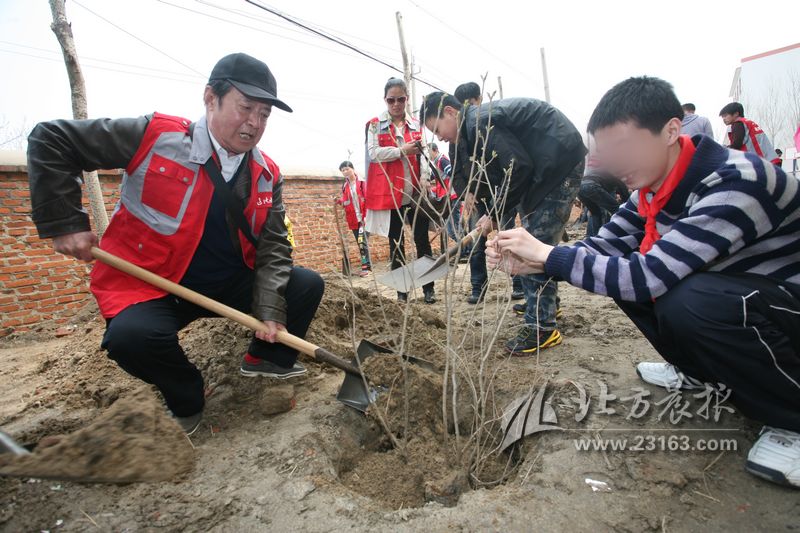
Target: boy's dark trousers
<point>362,240</point>
<point>742,330</point>
<point>143,338</point>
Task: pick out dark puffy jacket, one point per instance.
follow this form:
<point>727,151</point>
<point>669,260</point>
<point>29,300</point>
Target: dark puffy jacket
<point>543,144</point>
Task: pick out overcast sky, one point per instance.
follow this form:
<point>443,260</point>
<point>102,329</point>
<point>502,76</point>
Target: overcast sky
<point>151,55</point>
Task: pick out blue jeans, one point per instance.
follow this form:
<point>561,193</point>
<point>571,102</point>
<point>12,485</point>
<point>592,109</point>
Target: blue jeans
<point>454,221</point>
<point>547,224</point>
<point>477,263</point>
<point>600,202</point>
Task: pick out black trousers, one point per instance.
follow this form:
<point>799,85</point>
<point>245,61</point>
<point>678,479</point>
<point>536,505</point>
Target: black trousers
<point>143,338</point>
<point>742,330</point>
<point>397,249</point>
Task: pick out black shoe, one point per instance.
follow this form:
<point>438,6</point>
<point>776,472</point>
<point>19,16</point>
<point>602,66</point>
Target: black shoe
<point>189,424</point>
<point>475,299</point>
<point>402,297</point>
<point>529,341</point>
<point>430,297</point>
<point>271,370</point>
<point>517,295</point>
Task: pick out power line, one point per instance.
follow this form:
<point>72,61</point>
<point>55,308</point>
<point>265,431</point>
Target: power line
<point>194,78</point>
<point>293,122</point>
<point>121,71</point>
<point>469,39</point>
<point>254,28</point>
<point>334,39</point>
<point>139,39</point>
<point>282,26</point>
<point>249,16</point>
<point>50,51</point>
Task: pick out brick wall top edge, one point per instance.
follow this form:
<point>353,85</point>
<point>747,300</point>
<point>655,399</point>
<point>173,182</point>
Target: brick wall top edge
<point>12,172</point>
<point>16,161</point>
<point>23,169</point>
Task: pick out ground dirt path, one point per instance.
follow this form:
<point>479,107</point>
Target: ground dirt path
<point>292,471</point>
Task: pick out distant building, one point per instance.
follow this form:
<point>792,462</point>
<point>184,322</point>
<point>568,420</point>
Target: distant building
<point>768,85</point>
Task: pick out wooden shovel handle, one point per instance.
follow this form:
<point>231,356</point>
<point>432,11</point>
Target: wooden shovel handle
<point>284,337</point>
<point>468,239</point>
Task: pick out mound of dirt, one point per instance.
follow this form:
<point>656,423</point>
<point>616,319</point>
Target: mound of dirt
<point>427,465</point>
<point>407,479</point>
<point>349,314</point>
<point>134,440</point>
<point>430,467</point>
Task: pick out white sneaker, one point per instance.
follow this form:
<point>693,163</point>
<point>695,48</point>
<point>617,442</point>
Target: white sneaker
<point>776,456</point>
<point>667,376</point>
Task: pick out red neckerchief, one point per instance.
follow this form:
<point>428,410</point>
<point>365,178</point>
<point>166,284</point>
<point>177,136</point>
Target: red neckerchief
<point>650,209</point>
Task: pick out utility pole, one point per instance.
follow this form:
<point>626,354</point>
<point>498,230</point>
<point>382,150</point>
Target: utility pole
<point>407,72</point>
<point>63,30</point>
<point>500,87</point>
<point>544,77</point>
<point>413,88</point>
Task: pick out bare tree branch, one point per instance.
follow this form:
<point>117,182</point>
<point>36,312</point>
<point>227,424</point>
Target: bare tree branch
<point>63,31</point>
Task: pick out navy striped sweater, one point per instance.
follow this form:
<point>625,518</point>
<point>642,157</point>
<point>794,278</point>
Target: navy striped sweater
<point>732,212</point>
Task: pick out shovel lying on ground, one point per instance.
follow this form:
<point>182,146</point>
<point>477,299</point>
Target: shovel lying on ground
<point>427,269</point>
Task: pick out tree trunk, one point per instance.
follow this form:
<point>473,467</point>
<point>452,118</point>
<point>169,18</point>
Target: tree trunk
<point>63,30</point>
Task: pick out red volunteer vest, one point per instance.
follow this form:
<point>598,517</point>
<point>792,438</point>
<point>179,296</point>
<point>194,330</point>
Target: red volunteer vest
<point>751,131</point>
<point>159,220</point>
<point>385,180</point>
<point>347,203</point>
<point>441,188</point>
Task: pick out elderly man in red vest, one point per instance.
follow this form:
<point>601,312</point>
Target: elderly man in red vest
<point>200,205</point>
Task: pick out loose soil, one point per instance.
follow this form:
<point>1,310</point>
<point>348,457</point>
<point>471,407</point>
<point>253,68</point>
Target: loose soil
<point>272,457</point>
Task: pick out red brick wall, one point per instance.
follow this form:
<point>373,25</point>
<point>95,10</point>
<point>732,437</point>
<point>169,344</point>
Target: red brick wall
<point>309,204</point>
<point>38,285</point>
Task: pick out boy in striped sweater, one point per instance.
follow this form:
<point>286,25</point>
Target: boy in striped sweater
<point>704,258</point>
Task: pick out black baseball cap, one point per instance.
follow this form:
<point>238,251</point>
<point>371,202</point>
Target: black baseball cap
<point>251,76</point>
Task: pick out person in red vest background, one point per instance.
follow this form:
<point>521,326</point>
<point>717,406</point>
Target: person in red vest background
<point>441,187</point>
<point>200,205</point>
<point>746,135</point>
<point>395,178</point>
<point>354,191</point>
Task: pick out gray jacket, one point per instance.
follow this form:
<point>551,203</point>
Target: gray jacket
<point>695,124</point>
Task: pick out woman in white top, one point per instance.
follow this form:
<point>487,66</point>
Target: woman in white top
<point>395,178</point>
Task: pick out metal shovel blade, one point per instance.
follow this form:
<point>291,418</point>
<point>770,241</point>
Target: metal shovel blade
<point>414,275</point>
<point>352,391</point>
<point>9,445</point>
<point>427,269</point>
